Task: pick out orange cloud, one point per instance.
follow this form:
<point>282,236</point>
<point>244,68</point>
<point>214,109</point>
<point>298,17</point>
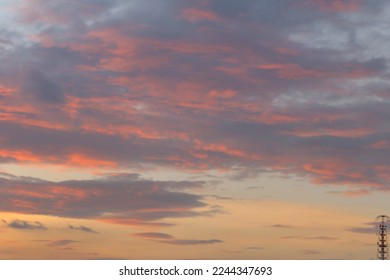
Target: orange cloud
<point>22,156</point>
<point>342,172</point>
<point>23,204</point>
<point>287,51</point>
<point>292,71</point>
<point>356,193</point>
<point>225,94</point>
<point>228,151</point>
<point>380,145</point>
<point>6,91</point>
<point>69,192</point>
<point>341,132</point>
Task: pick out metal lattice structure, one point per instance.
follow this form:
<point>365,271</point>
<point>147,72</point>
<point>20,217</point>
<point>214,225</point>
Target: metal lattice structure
<point>382,222</point>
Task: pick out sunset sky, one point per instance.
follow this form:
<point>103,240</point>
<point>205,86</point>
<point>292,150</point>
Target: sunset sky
<point>207,129</point>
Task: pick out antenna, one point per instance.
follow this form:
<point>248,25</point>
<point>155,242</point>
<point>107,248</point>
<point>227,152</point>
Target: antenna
<point>382,223</point>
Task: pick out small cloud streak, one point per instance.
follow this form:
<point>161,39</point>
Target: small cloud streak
<point>26,225</point>
<point>281,226</point>
<point>82,228</point>
<point>193,15</point>
<point>255,248</point>
<point>357,193</point>
<point>364,230</point>
<point>319,238</point>
<point>193,242</point>
<point>154,235</point>
<point>61,243</point>
<point>169,239</point>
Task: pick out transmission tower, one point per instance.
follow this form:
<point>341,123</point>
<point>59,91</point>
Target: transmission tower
<point>382,223</point>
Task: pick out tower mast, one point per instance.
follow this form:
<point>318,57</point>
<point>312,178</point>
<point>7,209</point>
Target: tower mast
<point>382,223</point>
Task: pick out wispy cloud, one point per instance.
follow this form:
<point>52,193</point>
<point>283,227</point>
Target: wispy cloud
<point>154,235</point>
<point>82,228</point>
<point>61,243</point>
<point>281,226</point>
<point>169,239</point>
<point>318,238</point>
<point>255,248</point>
<point>26,225</point>
<point>366,228</point>
<point>193,242</point>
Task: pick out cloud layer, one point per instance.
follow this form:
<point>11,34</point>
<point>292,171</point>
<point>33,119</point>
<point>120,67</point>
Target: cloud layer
<point>123,199</point>
<point>241,87</point>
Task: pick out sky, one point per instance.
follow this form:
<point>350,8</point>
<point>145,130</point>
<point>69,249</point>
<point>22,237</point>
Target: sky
<point>208,129</point>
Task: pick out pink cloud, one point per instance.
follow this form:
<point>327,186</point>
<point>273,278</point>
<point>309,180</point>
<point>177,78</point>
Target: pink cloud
<point>356,193</point>
<point>380,145</point>
<point>336,5</point>
<point>194,14</point>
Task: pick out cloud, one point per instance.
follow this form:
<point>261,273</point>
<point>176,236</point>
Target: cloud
<point>39,87</point>
<point>193,15</point>
<point>82,228</point>
<point>366,228</point>
<point>61,243</point>
<point>169,239</point>
<point>154,235</point>
<point>192,242</point>
<point>281,226</point>
<point>117,198</point>
<point>125,86</point>
<point>318,238</point>
<point>352,193</point>
<point>26,225</point>
<point>336,5</point>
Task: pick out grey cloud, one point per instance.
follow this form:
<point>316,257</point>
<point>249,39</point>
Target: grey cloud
<point>61,243</point>
<point>364,230</point>
<point>154,235</point>
<point>82,228</point>
<point>318,238</point>
<point>281,226</point>
<point>368,227</point>
<point>40,87</point>
<point>192,242</point>
<point>166,238</point>
<point>26,225</point>
<point>123,199</point>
